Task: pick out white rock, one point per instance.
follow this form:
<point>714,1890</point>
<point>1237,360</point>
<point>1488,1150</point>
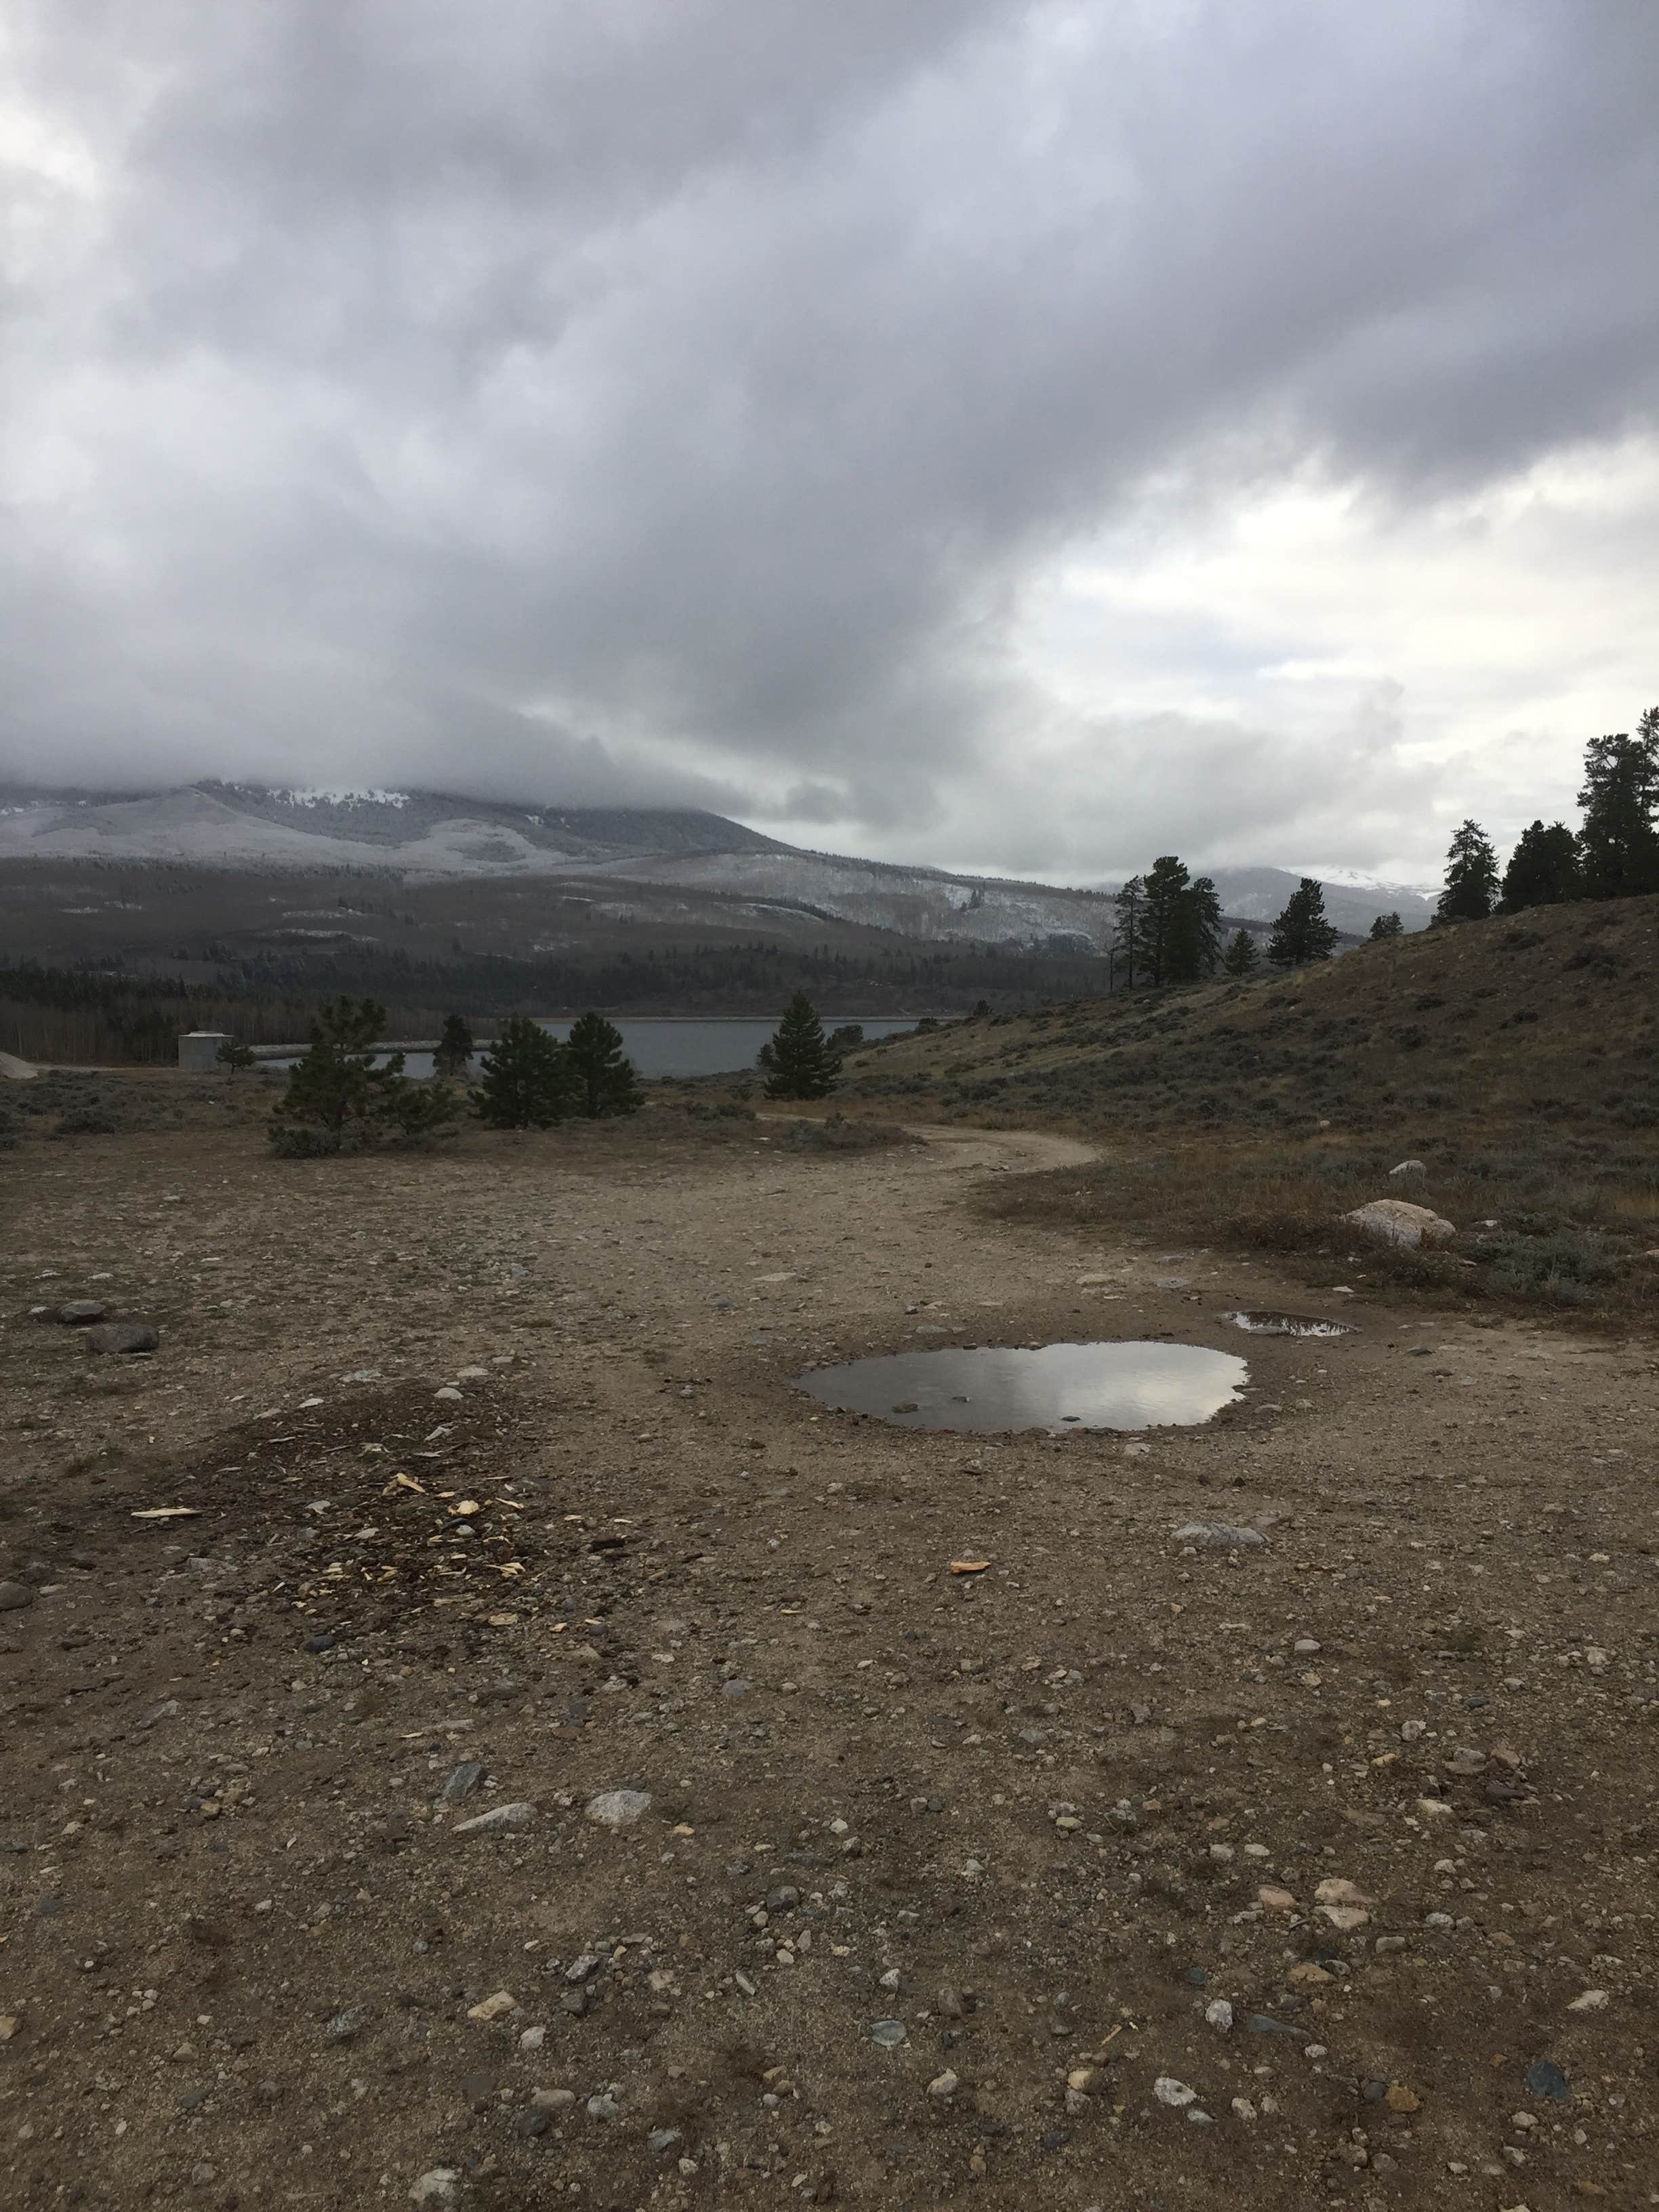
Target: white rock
<point>1219,2014</point>
<point>943,2085</point>
<point>1395,1222</point>
<point>618,1808</point>
<point>449,1391</point>
<point>1591,2001</point>
<point>1408,1167</point>
<point>1169,2091</point>
<point>532,2039</point>
<point>439,2185</point>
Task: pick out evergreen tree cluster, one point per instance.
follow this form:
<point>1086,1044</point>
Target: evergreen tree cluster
<point>346,1095</point>
<point>1169,925</point>
<point>529,1080</point>
<point>1614,855</point>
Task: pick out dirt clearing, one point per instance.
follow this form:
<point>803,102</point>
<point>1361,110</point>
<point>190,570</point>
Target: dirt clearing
<point>541,1758</point>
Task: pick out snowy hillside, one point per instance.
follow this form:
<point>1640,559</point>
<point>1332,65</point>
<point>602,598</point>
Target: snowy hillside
<point>436,836</point>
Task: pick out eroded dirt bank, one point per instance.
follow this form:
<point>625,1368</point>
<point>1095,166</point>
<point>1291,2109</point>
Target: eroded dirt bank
<point>950,1889</point>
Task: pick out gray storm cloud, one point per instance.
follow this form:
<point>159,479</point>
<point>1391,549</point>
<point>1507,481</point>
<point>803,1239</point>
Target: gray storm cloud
<point>671,400</point>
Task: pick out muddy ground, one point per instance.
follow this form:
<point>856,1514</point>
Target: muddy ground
<point>1316,1873</point>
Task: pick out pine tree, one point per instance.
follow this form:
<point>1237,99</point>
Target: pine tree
<point>1241,957</point>
<point>1543,869</point>
<point>1471,877</point>
<point>527,1081</point>
<point>1131,905</point>
<point>339,1098</point>
<point>607,1081</point>
<point>1302,934</point>
<point>798,1059</point>
<point>1387,925</point>
<point>1619,844</point>
<point>1204,925</point>
<point>454,1052</point>
<point>1164,916</point>
<point>235,1055</point>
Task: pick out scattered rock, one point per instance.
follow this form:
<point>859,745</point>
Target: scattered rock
<point>493,2008</point>
<point>890,2034</point>
<point>1276,1900</point>
<point>943,2085</point>
<point>463,1780</point>
<point>498,1816</point>
<point>1399,2099</point>
<point>1394,1221</point>
<point>14,1596</point>
<point>1219,2014</point>
<point>1544,2078</point>
<point>1346,1917</point>
<point>553,2100</point>
<point>1219,1535</point>
<point>1407,1168</point>
<point>439,2185</point>
<point>80,1313</point>
<point>1591,2001</point>
<point>1169,2091</point>
<point>618,1808</point>
<point>1337,1890</point>
<point>130,1336</point>
<point>343,2027</point>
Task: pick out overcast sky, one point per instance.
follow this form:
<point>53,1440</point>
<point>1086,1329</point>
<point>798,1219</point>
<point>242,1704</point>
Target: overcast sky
<point>1021,437</point>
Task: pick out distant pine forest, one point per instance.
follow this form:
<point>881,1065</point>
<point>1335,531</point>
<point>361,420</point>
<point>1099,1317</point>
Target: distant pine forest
<point>102,1011</point>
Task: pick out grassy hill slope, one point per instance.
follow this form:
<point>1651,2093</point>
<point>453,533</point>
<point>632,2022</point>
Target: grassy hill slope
<point>1517,1058</point>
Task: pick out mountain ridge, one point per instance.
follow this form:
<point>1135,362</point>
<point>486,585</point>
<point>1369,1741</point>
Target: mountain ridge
<point>431,836</point>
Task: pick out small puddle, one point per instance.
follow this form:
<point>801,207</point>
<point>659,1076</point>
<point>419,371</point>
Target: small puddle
<point>1287,1324</point>
<point>1057,1387</point>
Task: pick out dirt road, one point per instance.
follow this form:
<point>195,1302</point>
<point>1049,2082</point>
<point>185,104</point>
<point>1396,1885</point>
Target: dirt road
<point>1125,1872</point>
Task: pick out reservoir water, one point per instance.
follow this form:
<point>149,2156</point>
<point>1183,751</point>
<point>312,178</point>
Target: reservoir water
<point>693,1044</point>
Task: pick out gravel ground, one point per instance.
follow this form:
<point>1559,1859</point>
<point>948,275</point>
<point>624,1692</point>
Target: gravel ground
<point>539,1758</point>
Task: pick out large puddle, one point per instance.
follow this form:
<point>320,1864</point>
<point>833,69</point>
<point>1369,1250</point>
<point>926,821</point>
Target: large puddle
<point>1056,1387</point>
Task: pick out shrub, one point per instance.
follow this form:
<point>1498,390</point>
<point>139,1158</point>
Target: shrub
<point>834,1133</point>
<point>86,1121</point>
<point>1566,1268</point>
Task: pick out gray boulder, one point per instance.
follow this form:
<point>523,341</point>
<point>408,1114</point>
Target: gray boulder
<point>122,1336</point>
